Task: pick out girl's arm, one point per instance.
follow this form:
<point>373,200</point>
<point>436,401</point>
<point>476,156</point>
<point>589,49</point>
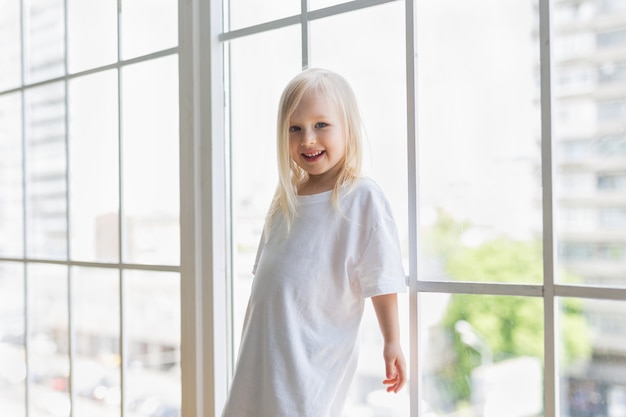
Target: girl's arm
<point>386,307</point>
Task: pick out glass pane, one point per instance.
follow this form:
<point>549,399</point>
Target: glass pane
<point>96,365</point>
<point>94,167</point>
<point>381,89</point>
<point>483,355</point>
<point>320,4</point>
<point>150,162</point>
<point>10,55</point>
<point>367,396</point>
<point>11,193</point>
<point>48,341</point>
<point>593,348</point>
<point>46,186</point>
<point>243,13</point>
<point>148,26</point>
<point>479,133</point>
<point>255,103</point>
<point>12,352</point>
<point>92,33</point>
<point>152,337</point>
<point>589,126</point>
<point>44,39</point>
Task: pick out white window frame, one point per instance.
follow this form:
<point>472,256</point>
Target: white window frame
<point>205,204</point>
<point>204,248</point>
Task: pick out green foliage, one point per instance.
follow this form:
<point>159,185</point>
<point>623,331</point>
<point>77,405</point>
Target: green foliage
<point>510,326</point>
<point>499,260</point>
<point>575,344</point>
<point>443,239</point>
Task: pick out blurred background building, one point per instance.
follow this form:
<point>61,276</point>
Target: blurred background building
<point>589,72</point>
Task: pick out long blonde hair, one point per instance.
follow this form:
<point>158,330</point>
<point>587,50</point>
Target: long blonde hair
<point>290,175</point>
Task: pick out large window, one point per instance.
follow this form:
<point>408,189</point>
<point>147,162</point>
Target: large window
<point>137,163</point>
<point>507,205</point>
<point>89,209</point>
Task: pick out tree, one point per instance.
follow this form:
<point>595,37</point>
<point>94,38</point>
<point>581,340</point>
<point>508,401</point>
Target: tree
<point>509,326</point>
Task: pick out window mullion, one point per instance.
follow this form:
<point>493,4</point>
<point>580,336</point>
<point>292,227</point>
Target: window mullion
<point>68,249</point>
<point>24,212</point>
<point>304,27</point>
<point>413,207</point>
<point>120,216</point>
<point>551,403</point>
<point>204,339</point>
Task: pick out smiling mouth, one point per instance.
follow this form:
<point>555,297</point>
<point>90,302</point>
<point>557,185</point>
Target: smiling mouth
<point>312,156</point>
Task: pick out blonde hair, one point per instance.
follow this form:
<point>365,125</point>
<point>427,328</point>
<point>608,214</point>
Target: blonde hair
<point>290,175</point>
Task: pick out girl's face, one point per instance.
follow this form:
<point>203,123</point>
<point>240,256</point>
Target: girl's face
<point>317,138</point>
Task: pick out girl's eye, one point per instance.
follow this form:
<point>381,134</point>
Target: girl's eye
<point>321,124</point>
<point>294,128</point>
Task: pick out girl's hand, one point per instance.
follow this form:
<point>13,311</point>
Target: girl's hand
<point>395,367</point>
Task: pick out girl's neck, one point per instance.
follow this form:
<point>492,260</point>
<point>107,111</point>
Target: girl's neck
<point>317,184</point>
<point>314,187</point>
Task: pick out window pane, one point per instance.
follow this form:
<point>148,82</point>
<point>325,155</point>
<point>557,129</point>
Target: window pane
<point>10,55</point>
<point>380,87</point>
<point>482,355</point>
<point>479,133</point>
<point>593,347</point>
<point>367,396</point>
<point>96,365</point>
<point>48,341</point>
<point>244,13</point>
<point>253,115</point>
<point>92,33</point>
<point>11,193</point>
<point>150,162</point>
<point>380,90</point>
<point>152,338</point>
<point>45,172</point>
<point>148,26</point>
<point>320,4</point>
<point>590,141</point>
<point>94,167</point>
<point>12,352</point>
<point>44,43</point>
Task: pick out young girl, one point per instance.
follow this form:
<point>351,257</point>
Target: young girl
<point>329,243</point>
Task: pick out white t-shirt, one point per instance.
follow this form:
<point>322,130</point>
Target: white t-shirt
<point>298,348</point>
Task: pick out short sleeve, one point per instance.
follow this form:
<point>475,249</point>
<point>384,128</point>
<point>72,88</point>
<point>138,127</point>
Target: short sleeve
<point>379,270</point>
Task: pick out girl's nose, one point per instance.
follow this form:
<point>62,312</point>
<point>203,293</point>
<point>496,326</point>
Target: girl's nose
<point>308,137</point>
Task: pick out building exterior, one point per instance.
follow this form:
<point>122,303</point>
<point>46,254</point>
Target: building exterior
<point>589,72</point>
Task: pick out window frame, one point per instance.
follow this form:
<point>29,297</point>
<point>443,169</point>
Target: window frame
<point>205,264</point>
<point>203,208</point>
<point>204,77</point>
<point>205,200</point>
